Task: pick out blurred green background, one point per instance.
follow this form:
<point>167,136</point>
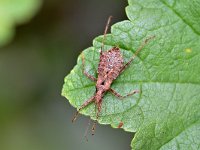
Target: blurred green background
<point>33,115</point>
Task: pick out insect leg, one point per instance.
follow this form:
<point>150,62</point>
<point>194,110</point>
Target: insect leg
<point>84,72</point>
<point>97,116</point>
<point>120,96</point>
<point>145,42</point>
<point>86,131</point>
<point>86,103</point>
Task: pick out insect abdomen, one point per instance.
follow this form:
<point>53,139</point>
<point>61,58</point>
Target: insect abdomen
<point>110,64</point>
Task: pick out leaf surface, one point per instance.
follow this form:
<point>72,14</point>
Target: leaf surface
<point>166,114</point>
<point>14,12</point>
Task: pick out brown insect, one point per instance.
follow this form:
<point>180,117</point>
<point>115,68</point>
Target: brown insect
<point>120,124</point>
<point>111,65</point>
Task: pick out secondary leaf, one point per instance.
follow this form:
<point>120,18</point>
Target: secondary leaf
<point>165,115</point>
<point>14,12</point>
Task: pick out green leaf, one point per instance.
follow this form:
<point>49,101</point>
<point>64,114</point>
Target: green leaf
<point>166,114</point>
<point>14,12</point>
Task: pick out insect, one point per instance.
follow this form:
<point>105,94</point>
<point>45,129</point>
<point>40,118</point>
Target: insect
<point>111,65</point>
<point>120,124</point>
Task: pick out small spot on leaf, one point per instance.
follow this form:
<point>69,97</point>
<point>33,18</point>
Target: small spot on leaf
<point>188,50</point>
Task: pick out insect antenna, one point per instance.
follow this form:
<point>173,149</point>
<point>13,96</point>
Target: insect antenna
<point>105,32</point>
<point>143,44</point>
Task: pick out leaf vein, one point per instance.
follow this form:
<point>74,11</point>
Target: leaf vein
<point>185,21</point>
